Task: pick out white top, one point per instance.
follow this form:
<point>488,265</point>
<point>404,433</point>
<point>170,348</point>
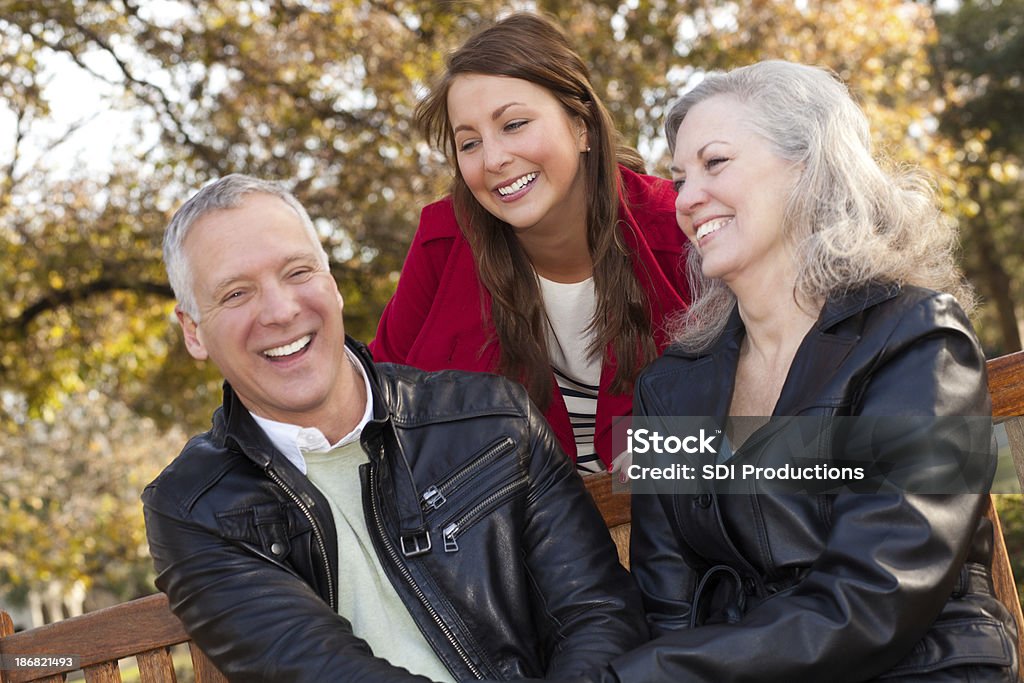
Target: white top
<point>570,310</point>
<point>292,440</point>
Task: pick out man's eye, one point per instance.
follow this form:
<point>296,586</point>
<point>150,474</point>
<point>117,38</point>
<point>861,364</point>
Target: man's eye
<point>233,296</point>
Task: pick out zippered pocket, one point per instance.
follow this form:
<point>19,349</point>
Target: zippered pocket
<point>437,495</point>
<point>460,524</point>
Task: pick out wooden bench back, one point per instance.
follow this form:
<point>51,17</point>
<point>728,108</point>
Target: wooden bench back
<point>146,629</point>
<point>1006,386</point>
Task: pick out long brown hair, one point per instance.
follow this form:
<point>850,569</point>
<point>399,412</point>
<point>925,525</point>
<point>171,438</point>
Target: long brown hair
<point>532,48</point>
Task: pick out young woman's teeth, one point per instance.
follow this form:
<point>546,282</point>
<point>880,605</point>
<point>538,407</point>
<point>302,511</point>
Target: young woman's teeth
<point>711,226</point>
<point>517,185</point>
<point>289,349</point>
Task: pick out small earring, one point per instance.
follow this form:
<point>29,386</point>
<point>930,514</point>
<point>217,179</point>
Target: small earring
<point>587,149</point>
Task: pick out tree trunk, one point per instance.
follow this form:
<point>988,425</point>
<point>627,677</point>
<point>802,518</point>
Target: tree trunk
<point>997,284</point>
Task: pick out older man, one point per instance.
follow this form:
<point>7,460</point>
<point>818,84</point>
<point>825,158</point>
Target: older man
<point>348,521</point>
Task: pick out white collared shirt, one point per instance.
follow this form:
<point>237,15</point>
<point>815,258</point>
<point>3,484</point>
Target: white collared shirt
<point>293,440</point>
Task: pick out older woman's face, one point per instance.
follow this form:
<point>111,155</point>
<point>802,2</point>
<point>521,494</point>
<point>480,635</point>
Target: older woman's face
<point>732,190</point>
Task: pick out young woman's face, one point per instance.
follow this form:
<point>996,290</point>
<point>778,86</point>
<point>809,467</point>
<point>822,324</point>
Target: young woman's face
<point>519,151</point>
<point>732,189</point>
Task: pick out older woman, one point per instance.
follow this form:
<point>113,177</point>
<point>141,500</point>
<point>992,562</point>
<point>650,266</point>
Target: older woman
<point>825,287</point>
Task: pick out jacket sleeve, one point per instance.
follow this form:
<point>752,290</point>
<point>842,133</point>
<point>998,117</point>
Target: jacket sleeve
<point>407,311</point>
<point>890,561</point>
<point>254,619</point>
<point>667,583</point>
<point>588,606</point>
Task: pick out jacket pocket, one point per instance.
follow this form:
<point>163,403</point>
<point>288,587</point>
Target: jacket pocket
<point>436,496</point>
<point>265,526</point>
<point>958,642</point>
<point>462,522</point>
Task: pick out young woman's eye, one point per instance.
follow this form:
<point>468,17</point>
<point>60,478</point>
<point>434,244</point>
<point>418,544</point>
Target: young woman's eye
<point>467,145</point>
<point>515,125</point>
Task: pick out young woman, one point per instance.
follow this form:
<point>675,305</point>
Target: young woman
<point>820,299</point>
<point>553,261</point>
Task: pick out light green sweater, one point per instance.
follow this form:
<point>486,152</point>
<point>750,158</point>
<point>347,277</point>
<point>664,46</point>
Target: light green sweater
<point>365,595</point>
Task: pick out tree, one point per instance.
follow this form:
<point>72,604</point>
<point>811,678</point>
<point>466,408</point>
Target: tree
<point>980,58</point>
<point>69,510</point>
<point>318,94</point>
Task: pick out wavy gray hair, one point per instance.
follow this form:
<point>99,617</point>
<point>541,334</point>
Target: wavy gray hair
<point>224,193</point>
<point>849,220</point>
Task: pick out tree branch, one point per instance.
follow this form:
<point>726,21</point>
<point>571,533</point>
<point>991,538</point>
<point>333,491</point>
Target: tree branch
<point>64,297</point>
<point>145,90</point>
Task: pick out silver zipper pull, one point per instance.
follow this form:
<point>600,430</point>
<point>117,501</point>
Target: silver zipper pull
<point>450,546</point>
<point>434,498</point>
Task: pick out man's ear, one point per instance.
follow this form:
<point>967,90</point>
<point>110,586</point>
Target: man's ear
<point>190,329</point>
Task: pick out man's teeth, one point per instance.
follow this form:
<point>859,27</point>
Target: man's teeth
<point>712,226</point>
<point>517,185</point>
<point>289,349</point>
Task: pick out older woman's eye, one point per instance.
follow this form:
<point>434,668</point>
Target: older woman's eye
<point>714,161</point>
<point>677,185</point>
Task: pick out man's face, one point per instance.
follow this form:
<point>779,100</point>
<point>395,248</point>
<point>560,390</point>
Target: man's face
<point>270,312</point>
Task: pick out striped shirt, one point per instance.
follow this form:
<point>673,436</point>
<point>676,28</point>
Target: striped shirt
<point>570,311</point>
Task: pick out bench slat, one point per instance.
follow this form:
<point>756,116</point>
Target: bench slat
<point>1006,384</point>
<point>614,507</point>
<point>104,672</point>
<point>203,668</point>
<point>156,666</point>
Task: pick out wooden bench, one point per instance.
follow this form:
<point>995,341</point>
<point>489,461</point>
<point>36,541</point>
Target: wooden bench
<point>1006,386</point>
<point>146,629</point>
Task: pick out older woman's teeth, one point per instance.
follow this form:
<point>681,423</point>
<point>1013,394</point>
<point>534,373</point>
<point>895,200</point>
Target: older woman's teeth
<point>712,226</point>
<point>289,349</point>
<point>517,185</point>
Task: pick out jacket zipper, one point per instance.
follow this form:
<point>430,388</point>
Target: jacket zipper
<point>457,526</point>
<point>436,496</point>
<point>317,534</point>
<point>407,576</point>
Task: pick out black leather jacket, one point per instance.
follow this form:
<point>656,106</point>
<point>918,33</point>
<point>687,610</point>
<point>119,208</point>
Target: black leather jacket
<point>245,545</point>
<point>840,587</point>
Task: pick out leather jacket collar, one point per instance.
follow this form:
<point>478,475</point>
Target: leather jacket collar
<point>234,426</point>
<point>830,340</point>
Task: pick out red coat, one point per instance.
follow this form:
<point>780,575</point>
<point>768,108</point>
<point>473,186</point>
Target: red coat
<point>439,317</point>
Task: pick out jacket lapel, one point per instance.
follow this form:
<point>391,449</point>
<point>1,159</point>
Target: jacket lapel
<point>825,348</point>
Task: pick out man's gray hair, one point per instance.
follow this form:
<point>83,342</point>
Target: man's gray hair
<point>224,193</point>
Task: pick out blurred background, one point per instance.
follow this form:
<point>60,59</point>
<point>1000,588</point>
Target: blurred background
<point>113,111</point>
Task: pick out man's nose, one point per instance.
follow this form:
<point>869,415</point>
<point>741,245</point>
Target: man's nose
<point>278,305</point>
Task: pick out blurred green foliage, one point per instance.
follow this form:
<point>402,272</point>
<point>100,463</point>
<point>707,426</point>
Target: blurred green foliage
<point>319,94</point>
